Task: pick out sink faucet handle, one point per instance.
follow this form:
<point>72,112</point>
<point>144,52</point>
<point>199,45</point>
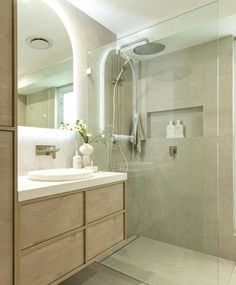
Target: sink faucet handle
<point>46,150</point>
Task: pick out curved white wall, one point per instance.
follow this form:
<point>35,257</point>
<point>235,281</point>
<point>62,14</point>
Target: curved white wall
<point>85,34</point>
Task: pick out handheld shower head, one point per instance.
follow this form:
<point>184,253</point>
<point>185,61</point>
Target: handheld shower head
<point>125,66</point>
<point>130,61</point>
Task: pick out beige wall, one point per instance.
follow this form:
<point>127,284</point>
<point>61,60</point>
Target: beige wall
<point>37,109</point>
<point>40,109</point>
<point>85,34</point>
<point>169,198</point>
<point>227,239</point>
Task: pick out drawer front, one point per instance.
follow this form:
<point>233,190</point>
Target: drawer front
<point>49,263</point>
<point>104,235</point>
<point>43,220</point>
<point>104,201</point>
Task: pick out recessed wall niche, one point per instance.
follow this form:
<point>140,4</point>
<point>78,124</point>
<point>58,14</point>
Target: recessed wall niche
<point>191,118</point>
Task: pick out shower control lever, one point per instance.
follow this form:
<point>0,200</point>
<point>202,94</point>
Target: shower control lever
<point>173,150</point>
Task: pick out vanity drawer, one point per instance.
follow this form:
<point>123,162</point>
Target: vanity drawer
<point>52,261</point>
<point>104,235</point>
<point>42,220</point>
<point>104,201</point>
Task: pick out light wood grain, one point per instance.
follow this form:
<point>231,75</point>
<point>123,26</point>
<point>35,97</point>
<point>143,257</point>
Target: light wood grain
<point>43,220</point>
<point>6,207</point>
<point>6,63</point>
<point>104,235</point>
<point>54,218</point>
<point>104,201</point>
<point>49,263</point>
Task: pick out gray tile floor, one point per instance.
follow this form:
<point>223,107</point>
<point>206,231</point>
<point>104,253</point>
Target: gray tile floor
<point>157,263</point>
<point>97,274</point>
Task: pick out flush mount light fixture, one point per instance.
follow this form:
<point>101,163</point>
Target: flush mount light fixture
<point>39,42</point>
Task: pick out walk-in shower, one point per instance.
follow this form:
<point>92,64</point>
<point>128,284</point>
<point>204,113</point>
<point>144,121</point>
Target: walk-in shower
<point>165,73</point>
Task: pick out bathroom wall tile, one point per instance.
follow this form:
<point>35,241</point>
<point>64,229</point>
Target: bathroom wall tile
<point>209,89</point>
<point>166,195</point>
<point>210,196</point>
<point>40,109</point>
<point>226,86</point>
<point>173,80</point>
<point>227,239</point>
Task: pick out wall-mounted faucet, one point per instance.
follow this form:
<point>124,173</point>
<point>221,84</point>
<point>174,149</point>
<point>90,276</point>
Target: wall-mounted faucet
<point>46,150</point>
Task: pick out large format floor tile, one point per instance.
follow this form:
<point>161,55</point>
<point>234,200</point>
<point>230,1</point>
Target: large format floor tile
<point>155,263</point>
<point>97,274</point>
<point>233,278</point>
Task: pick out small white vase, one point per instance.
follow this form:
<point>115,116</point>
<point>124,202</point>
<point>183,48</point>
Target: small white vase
<point>86,150</point>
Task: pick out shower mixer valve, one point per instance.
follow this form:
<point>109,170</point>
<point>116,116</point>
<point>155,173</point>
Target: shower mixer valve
<point>173,151</point>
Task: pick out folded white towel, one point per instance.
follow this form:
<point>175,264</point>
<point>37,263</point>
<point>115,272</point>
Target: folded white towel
<point>137,134</point>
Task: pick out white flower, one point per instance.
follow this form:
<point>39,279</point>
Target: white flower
<point>84,126</point>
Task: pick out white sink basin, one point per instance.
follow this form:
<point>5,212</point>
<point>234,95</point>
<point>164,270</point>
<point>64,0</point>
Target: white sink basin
<point>61,174</point>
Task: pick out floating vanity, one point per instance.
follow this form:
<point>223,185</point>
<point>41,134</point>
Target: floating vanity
<point>64,226</point>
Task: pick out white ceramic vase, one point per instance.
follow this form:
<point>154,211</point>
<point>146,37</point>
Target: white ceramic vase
<point>86,150</point>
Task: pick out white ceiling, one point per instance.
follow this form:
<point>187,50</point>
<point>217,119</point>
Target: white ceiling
<point>123,17</point>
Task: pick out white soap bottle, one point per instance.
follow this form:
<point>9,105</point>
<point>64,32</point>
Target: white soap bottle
<point>179,129</point>
<point>170,130</point>
<point>77,160</point>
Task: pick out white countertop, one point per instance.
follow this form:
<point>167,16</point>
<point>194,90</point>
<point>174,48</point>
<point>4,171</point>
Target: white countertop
<point>29,189</point>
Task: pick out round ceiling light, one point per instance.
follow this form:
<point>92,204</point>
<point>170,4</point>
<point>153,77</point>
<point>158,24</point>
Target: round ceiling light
<point>38,42</point>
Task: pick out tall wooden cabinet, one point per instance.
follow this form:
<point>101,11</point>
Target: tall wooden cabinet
<point>7,143</point>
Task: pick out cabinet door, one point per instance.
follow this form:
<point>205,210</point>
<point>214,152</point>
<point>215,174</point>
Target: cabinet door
<point>6,208</point>
<point>49,263</point>
<point>104,235</point>
<point>104,201</point>
<point>6,62</point>
<point>42,220</point>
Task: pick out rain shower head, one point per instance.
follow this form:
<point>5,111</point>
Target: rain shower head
<point>149,48</point>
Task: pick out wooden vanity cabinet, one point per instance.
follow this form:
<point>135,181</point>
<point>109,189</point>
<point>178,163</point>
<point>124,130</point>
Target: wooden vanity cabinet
<point>8,196</point>
<point>104,201</point>
<point>48,263</point>
<point>61,234</point>
<point>43,220</point>
<point>104,235</point>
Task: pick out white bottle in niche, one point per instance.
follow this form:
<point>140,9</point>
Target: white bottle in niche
<point>179,129</point>
<point>170,130</point>
<point>77,161</point>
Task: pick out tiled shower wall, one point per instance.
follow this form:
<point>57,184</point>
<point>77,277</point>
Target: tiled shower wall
<point>176,200</point>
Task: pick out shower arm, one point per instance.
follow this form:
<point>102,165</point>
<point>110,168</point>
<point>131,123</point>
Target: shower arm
<point>146,40</point>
